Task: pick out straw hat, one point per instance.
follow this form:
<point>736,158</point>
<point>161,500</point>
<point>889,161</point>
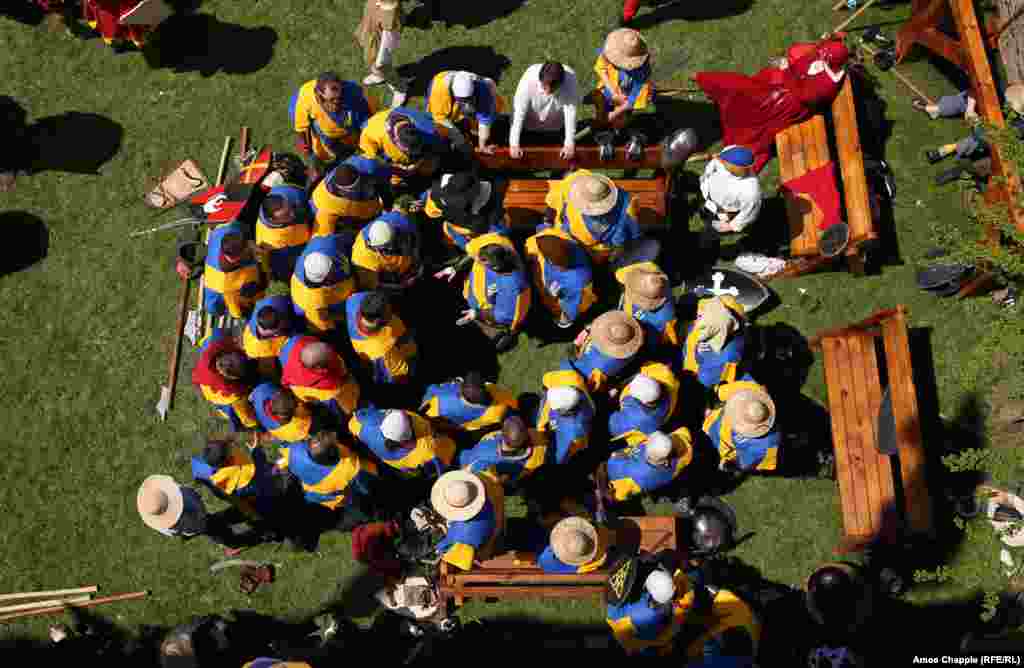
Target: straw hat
<point>574,541</point>
<point>715,322</point>
<point>626,49</point>
<point>617,334</point>
<point>752,413</point>
<point>593,194</point>
<point>458,496</point>
<point>388,5</point>
<point>555,249</point>
<point>647,289</point>
<point>160,502</point>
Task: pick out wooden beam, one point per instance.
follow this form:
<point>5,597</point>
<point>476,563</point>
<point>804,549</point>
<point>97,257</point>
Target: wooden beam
<point>48,594</point>
<point>537,158</point>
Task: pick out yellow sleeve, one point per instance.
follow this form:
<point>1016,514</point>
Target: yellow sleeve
<point>460,555</point>
<point>397,365</point>
<point>369,138</point>
<point>556,194</point>
<point>624,489</point>
<point>303,105</point>
<point>284,457</point>
<point>246,413</point>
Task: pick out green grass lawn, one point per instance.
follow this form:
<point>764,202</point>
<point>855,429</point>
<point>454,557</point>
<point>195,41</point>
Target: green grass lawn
<point>88,327</point>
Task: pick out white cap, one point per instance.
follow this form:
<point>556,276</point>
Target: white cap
<point>317,266</point>
<point>563,398</point>
<point>396,426</point>
<point>380,233</point>
<point>462,84</point>
<point>660,586</point>
<point>659,447</point>
<point>645,389</point>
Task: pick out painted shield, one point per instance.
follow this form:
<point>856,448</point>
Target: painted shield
<point>221,204</point>
<point>147,13</point>
<point>721,281</point>
<point>622,579</point>
<point>257,168</point>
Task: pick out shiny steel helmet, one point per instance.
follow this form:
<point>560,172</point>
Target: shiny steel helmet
<point>712,527</point>
<point>677,147</point>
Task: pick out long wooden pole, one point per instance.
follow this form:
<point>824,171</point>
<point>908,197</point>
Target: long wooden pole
<point>853,16</point>
<point>53,592</point>
<point>88,604</point>
<point>906,82</point>
<point>44,604</point>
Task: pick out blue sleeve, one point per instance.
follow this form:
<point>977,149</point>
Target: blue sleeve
<point>549,563</point>
<point>710,372</point>
<point>627,230</point>
<point>292,105</point>
<point>754,450</point>
<point>213,302</point>
<point>488,106</point>
<point>360,110</point>
<point>618,423</point>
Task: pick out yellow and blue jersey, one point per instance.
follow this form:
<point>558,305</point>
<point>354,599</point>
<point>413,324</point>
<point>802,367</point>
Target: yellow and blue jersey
<point>430,457</point>
<point>299,428</point>
<point>440,103</point>
<point>374,266</point>
<point>505,296</point>
<point>245,473</point>
<point>599,235</point>
<point>389,353</point>
<point>595,366</point>
<point>641,627</point>
<point>340,284</point>
<point>635,85</point>
<point>232,292</point>
<point>330,486</point>
<point>486,455</point>
<point>550,563</point>
<point>332,133</point>
<point>257,347</point>
<point>634,421</point>
<point>444,401</point>
<point>577,293</point>
<point>286,242</point>
<point>340,398</point>
<point>571,433</point>
<point>728,612</point>
<point>660,326</point>
<point>761,453</point>
<point>457,235</point>
<point>334,208</point>
<point>713,368</point>
<point>629,473</point>
<point>375,141</point>
<point>476,537</point>
<point>233,405</point>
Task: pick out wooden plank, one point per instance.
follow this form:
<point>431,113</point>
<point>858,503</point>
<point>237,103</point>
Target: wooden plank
<point>498,592</point>
<point>634,186</point>
<point>836,355</point>
<point>783,146</point>
<point>908,423</point>
<point>859,436</point>
<point>531,576</point>
<point>539,158</point>
<point>851,165</point>
<point>871,322</point>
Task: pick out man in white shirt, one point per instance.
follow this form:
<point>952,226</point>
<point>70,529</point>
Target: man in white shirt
<point>546,101</point>
<point>732,193</point>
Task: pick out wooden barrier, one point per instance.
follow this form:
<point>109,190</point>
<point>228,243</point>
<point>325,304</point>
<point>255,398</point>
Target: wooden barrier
<point>525,200</point>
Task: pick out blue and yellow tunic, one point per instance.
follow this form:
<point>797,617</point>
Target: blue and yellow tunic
<point>298,428</point>
<point>660,326</point>
<point>760,454</point>
<point>577,293</point>
<point>330,486</point>
<point>629,473</point>
<point>332,133</point>
<point>440,103</point>
<point>389,353</point>
<point>233,405</point>
<point>634,421</point>
<point>430,457</point>
<point>466,541</point>
<point>444,401</point>
<point>458,236</point>
<point>710,367</point>
<point>257,347</point>
<point>635,85</point>
<point>245,479</point>
<point>728,612</point>
<point>505,296</point>
<point>509,470</point>
<point>285,242</point>
<point>571,432</point>
<point>337,391</point>
<point>331,295</point>
<point>599,235</point>
<point>334,208</point>
<point>375,142</point>
<point>644,628</point>
<point>595,366</point>
<point>372,266</point>
<point>232,292</point>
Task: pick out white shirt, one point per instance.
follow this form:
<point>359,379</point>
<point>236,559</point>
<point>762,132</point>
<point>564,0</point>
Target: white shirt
<point>540,111</point>
<point>726,193</point>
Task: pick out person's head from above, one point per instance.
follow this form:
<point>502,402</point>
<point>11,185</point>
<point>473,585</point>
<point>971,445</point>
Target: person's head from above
<point>270,321</point>
<point>738,160</point>
<point>278,211</point>
<point>464,92</point>
<point>374,311</point>
<point>216,452</point>
<point>515,435</point>
<point>382,237</point>
<point>329,91</point>
<point>230,364</point>
<point>316,355</point>
<point>498,258</point>
<point>283,405</point>
<point>645,389</point>
<point>564,400</point>
<point>660,587</point>
<point>344,177</point>
<point>472,389</point>
<point>323,448</point>
<point>835,53</point>
<point>409,139</point>
<point>396,427</point>
<point>317,267</point>
<point>658,451</point>
<point>232,250</point>
<point>752,412</point>
<point>551,76</point>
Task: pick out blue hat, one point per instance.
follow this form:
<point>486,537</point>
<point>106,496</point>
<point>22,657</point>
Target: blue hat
<point>737,155</point>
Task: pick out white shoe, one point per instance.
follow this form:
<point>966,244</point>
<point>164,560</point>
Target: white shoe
<point>373,79</point>
<point>398,98</point>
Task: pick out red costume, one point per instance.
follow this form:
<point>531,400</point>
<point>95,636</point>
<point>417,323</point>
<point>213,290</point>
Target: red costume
<point>104,16</point>
<point>754,109</point>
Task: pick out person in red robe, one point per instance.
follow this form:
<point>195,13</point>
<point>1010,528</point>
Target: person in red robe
<point>104,16</point>
<point>754,109</point>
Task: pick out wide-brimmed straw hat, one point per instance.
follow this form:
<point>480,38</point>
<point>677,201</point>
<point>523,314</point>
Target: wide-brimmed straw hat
<point>647,289</point>
<point>458,496</point>
<point>593,194</point>
<point>387,4</point>
<point>617,334</point>
<point>715,323</point>
<point>752,413</point>
<point>574,541</point>
<point>160,502</point>
<point>626,49</point>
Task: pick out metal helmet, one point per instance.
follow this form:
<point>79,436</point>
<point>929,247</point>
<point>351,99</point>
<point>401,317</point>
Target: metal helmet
<point>713,527</point>
<point>837,596</point>
<point>677,147</point>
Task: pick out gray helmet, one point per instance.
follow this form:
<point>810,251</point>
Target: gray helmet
<point>713,527</point>
<point>677,147</point>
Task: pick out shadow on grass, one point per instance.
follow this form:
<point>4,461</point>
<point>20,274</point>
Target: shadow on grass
<point>202,43</point>
<point>680,10</point>
<point>28,13</point>
<point>75,142</point>
<point>27,241</point>
<point>675,114</point>
<point>482,60</point>
<point>469,14</point>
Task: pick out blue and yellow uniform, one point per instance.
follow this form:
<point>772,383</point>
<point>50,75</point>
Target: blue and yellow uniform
<point>634,421</point>
<point>440,103</point>
<point>285,242</point>
<point>630,474</point>
<point>550,563</point>
<point>375,141</point>
<point>297,429</point>
<point>660,326</point>
<point>389,353</point>
<point>595,366</point>
<point>635,85</point>
<point>335,208</point>
<point>599,235</point>
<point>445,402</point>
<point>229,398</point>
<point>330,486</point>
<point>571,432</point>
<point>340,284</point>
<point>644,628</point>
<point>476,538</point>
<point>710,367</point>
<point>577,293</point>
<point>332,133</point>
<point>702,636</point>
<point>245,478</point>
<point>430,457</point>
<point>760,454</point>
<point>505,296</point>
<point>232,292</point>
<point>372,266</point>
<point>458,236</point>
<point>333,387</point>
<point>257,347</point>
<point>509,470</point>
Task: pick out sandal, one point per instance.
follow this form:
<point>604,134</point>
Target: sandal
<point>919,104</point>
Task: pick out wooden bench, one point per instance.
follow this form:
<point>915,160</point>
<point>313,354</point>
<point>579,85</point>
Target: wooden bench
<point>503,577</point>
<point>804,147</point>
<point>871,511</point>
<point>525,200</point>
